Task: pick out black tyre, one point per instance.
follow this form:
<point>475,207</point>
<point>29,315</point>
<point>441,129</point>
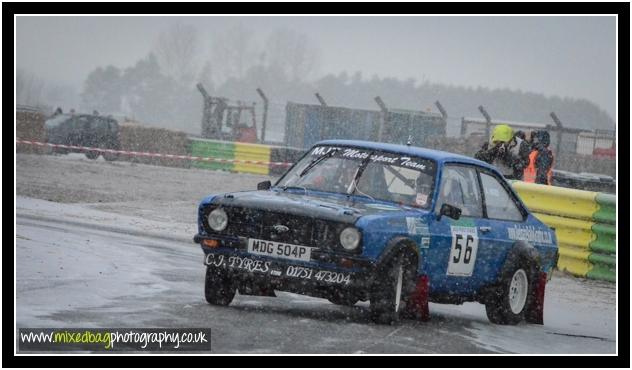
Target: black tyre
<point>219,289</point>
<point>92,155</point>
<point>508,304</point>
<point>394,285</point>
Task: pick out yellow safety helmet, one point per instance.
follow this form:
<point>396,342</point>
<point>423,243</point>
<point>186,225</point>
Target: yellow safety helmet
<point>502,133</point>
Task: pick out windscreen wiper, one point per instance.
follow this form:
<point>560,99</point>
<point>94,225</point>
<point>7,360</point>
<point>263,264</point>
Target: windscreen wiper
<point>295,188</point>
<point>317,161</point>
<point>363,165</point>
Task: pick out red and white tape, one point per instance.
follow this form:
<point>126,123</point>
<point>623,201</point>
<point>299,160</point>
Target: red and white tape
<point>159,155</point>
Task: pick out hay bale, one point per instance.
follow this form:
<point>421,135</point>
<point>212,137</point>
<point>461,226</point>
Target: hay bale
<point>29,125</point>
<point>134,137</point>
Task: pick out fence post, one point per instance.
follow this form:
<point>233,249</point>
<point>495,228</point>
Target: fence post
<point>265,114</point>
<point>444,114</point>
<point>384,110</point>
<point>321,100</point>
<point>206,112</point>
<point>488,121</point>
<point>558,123</point>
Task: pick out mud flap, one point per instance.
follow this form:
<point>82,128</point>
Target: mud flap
<point>418,301</point>
<point>535,312</point>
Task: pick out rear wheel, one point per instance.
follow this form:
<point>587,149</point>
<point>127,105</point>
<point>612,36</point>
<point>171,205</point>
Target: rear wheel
<point>508,304</point>
<point>219,289</point>
<point>392,289</point>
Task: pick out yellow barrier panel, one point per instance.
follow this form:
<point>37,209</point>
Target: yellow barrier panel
<point>577,233</point>
<point>252,152</point>
<point>574,260</point>
<point>556,200</point>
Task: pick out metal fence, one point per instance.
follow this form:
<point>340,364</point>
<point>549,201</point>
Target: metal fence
<point>306,124</point>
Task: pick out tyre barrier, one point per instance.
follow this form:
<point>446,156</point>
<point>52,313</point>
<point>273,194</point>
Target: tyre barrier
<point>244,157</point>
<point>584,223</point>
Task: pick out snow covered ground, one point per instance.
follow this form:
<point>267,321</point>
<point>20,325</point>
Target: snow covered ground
<point>128,260</point>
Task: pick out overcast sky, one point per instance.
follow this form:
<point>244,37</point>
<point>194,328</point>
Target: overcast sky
<point>563,56</point>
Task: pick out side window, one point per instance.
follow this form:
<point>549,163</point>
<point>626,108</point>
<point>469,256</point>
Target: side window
<point>498,201</point>
<point>459,187</point>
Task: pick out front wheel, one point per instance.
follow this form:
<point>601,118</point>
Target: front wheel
<point>218,288</point>
<point>92,154</point>
<point>393,287</point>
<point>507,306</point>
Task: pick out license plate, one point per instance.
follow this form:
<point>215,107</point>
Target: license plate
<point>281,250</point>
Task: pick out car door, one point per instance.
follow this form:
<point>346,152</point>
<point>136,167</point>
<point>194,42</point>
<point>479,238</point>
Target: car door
<point>455,254</point>
<point>502,211</point>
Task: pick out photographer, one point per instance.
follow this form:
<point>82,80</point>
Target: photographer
<point>508,152</point>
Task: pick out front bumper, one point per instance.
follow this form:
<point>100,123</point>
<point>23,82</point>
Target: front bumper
<point>326,271</point>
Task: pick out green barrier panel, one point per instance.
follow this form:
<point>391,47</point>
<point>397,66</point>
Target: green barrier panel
<point>600,247</point>
<point>600,272</point>
<point>607,208</point>
<point>213,149</point>
<point>605,241</point>
<point>602,259</point>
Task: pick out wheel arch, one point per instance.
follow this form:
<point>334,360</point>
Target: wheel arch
<point>521,250</point>
<point>399,244</point>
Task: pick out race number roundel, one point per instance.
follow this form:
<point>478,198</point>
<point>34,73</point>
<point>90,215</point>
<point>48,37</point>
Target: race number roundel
<point>463,251</point>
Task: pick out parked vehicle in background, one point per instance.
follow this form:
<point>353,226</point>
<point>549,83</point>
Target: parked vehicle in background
<point>86,130</point>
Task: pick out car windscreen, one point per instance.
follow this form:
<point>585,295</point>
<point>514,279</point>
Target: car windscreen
<point>392,177</point>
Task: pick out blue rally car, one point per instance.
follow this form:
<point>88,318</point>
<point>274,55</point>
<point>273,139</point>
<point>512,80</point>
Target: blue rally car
<point>396,225</point>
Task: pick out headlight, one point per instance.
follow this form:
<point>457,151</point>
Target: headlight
<point>217,219</point>
<point>350,238</point>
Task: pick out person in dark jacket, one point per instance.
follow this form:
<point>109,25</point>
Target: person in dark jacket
<point>525,143</point>
<point>507,152</point>
<point>540,167</point>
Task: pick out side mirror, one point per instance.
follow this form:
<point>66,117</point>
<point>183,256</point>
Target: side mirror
<point>450,211</point>
<point>264,185</point>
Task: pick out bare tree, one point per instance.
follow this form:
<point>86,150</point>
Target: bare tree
<point>177,50</point>
<point>28,88</point>
<point>295,53</point>
<point>233,52</point>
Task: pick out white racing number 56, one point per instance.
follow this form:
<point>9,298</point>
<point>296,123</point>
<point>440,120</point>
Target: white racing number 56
<point>463,251</point>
